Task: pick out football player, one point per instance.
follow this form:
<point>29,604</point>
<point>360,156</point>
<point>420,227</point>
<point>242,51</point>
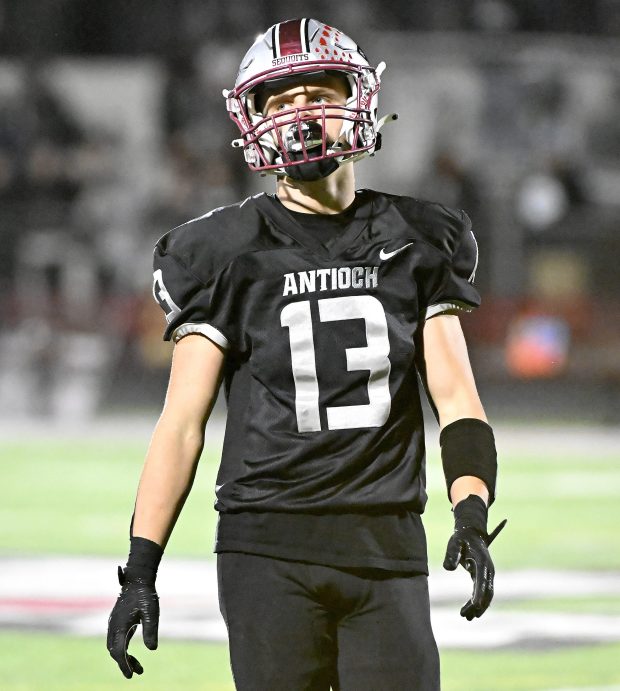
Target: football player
<point>320,307</point>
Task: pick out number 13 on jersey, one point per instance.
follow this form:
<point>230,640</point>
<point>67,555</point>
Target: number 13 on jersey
<point>373,357</point>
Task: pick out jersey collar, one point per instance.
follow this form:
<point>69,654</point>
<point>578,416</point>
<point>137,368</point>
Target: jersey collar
<point>287,223</point>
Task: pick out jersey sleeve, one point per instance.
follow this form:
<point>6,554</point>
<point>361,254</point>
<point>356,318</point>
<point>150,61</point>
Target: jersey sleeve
<point>453,289</point>
<point>192,305</point>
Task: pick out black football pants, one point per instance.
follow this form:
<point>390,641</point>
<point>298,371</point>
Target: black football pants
<point>305,627</point>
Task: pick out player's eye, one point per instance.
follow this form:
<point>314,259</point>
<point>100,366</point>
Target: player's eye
<point>282,105</point>
<point>277,106</point>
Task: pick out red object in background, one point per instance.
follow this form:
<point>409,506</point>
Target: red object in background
<point>537,346</point>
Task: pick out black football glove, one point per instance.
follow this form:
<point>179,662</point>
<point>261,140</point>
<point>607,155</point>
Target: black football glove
<point>469,546</point>
<point>137,603</point>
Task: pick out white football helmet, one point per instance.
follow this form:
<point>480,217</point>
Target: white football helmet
<point>294,50</point>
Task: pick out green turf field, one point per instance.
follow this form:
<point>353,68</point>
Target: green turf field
<point>55,663</point>
<point>77,497</point>
<point>563,510</point>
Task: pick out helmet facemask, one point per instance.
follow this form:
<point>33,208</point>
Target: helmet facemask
<point>304,151</point>
<point>304,141</point>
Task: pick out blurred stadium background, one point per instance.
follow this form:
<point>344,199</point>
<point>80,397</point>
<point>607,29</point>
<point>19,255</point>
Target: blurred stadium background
<point>113,130</point>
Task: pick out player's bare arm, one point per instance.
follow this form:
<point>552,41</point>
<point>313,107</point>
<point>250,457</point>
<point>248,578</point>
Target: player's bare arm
<point>468,452</point>
<point>177,441</point>
<point>452,387</point>
<point>167,477</point>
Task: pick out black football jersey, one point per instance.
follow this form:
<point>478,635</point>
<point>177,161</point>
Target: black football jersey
<point>323,344</point>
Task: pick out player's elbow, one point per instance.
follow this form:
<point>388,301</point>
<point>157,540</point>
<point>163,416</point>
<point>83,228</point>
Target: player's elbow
<point>458,405</point>
<point>184,432</point>
<point>455,396</point>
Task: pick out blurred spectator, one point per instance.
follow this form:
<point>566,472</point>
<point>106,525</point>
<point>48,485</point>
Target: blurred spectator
<point>493,16</point>
<point>604,130</point>
<point>546,197</point>
<point>38,184</point>
<point>453,184</point>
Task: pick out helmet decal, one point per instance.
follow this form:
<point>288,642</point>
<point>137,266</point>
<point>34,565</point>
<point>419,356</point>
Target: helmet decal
<point>290,38</point>
<point>297,50</point>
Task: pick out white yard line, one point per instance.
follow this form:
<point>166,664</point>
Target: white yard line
<point>74,595</point>
<point>106,428</point>
<point>615,687</point>
<point>588,440</point>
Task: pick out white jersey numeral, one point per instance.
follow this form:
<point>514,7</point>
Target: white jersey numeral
<point>296,316</point>
<point>163,297</point>
<point>373,357</point>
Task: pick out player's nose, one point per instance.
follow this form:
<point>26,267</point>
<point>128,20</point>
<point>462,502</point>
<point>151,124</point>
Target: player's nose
<point>304,101</point>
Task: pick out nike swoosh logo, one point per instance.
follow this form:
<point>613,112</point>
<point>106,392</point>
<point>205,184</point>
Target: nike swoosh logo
<point>383,255</point>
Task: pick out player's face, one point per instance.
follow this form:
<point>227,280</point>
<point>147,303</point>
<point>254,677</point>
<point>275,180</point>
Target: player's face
<point>328,91</point>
